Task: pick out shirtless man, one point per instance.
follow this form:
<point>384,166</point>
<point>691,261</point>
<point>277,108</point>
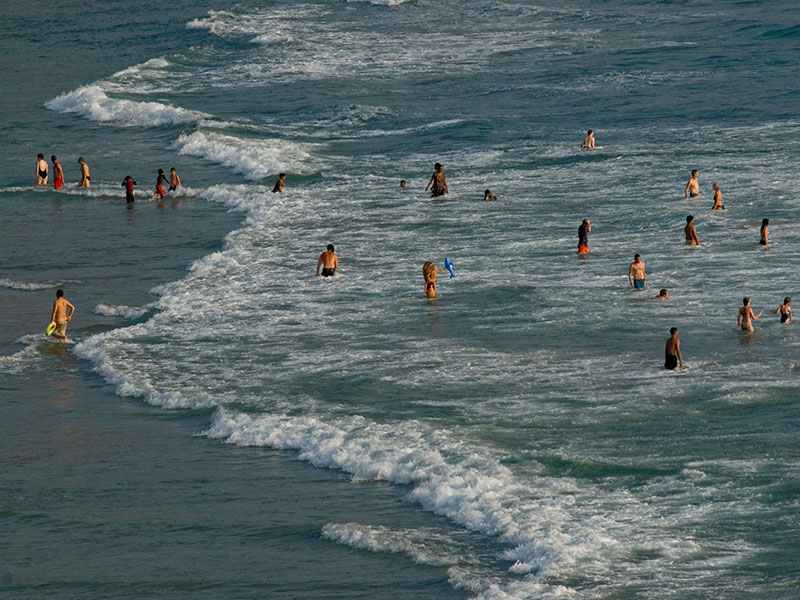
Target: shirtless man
<point>764,232</point>
<point>785,310</point>
<point>488,195</point>
<point>160,181</point>
<point>58,173</point>
<point>174,180</point>
<point>60,315</point>
<point>41,170</point>
<point>745,316</point>
<point>588,141</point>
<point>691,232</point>
<point>402,183</point>
<point>280,183</point>
<point>662,295</point>
<point>583,237</point>
<point>717,198</point>
<point>692,186</point>
<point>438,181</point>
<point>84,182</point>
<point>672,353</point>
<point>636,274</point>
<point>329,262</point>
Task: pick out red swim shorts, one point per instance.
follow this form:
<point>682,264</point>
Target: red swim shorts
<point>58,182</point>
<point>160,190</point>
<point>582,249</point>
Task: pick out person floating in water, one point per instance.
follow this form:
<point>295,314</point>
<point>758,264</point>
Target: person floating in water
<point>174,180</point>
<point>745,316</point>
<point>764,232</point>
<point>85,179</point>
<point>402,183</point>
<point>41,170</point>
<point>128,184</point>
<point>58,173</point>
<point>785,310</point>
<point>691,232</point>
<point>662,295</point>
<point>636,274</point>
<point>672,352</point>
<point>60,315</point>
<point>438,181</point>
<point>584,230</point>
<point>488,195</point>
<point>329,262</point>
<point>279,183</point>
<point>429,272</point>
<point>692,186</point>
<point>160,181</point>
<point>717,198</point>
<point>588,141</point>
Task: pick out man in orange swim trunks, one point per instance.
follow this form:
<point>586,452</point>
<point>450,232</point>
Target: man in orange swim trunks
<point>583,238</point>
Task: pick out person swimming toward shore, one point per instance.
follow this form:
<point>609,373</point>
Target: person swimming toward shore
<point>662,295</point>
<point>488,195</point>
<point>692,186</point>
<point>279,183</point>
<point>588,141</point>
<point>717,198</point>
<point>691,232</point>
<point>672,352</point>
<point>128,184</point>
<point>438,181</point>
<point>785,310</point>
<point>636,274</point>
<point>429,272</point>
<point>41,170</point>
<point>174,180</point>
<point>745,316</point>
<point>584,230</point>
<point>764,232</point>
<point>329,262</point>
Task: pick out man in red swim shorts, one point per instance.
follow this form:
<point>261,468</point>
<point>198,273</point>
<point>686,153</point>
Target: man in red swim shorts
<point>583,238</point>
<point>160,181</point>
<point>58,173</point>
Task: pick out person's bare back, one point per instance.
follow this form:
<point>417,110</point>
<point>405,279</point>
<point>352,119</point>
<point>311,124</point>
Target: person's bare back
<point>691,232</point>
<point>329,261</point>
<point>60,315</point>
<point>672,351</point>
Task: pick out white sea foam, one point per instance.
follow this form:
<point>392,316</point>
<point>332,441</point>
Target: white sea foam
<point>126,312</point>
<point>92,102</point>
<point>24,285</point>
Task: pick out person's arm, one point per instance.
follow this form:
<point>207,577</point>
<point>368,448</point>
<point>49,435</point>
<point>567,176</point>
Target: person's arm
<point>678,352</point>
<point>444,181</point>
<point>630,274</point>
<point>686,189</point>
<point>588,227</point>
<point>739,318</point>
<point>335,261</point>
<point>694,236</point>
<point>71,311</point>
<point>319,262</point>
<point>430,182</point>
<point>755,316</point>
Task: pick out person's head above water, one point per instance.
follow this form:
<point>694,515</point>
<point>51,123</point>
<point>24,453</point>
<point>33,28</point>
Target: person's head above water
<point>673,331</point>
<point>787,300</point>
<point>40,156</point>
<point>764,222</point>
<point>402,183</point>
<point>663,293</point>
<point>636,257</point>
<point>330,247</point>
<point>161,171</point>
<point>437,166</point>
<point>59,293</point>
<point>715,186</point>
<point>590,132</point>
<point>689,218</point>
<point>281,175</point>
<point>53,158</point>
<point>745,301</point>
<point>694,172</point>
<point>487,191</point>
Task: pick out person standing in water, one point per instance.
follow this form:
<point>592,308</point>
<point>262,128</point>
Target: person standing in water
<point>84,182</point>
<point>583,236</point>
<point>174,180</point>
<point>636,274</point>
<point>60,315</point>
<point>429,272</point>
<point>280,183</point>
<point>764,232</point>
<point>785,310</point>
<point>691,232</point>
<point>717,198</point>
<point>672,352</point>
<point>588,141</point>
<point>128,184</point>
<point>438,181</point>
<point>160,181</point>
<point>745,316</point>
<point>692,186</point>
<point>329,262</point>
<point>58,173</point>
<point>41,170</point>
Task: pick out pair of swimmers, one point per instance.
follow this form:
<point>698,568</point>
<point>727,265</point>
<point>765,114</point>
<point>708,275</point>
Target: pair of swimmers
<point>692,189</point>
<point>161,179</point>
<point>58,172</point>
<point>745,316</point>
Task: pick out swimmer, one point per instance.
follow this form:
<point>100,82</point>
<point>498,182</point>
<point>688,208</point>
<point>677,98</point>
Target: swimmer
<point>60,316</point>
<point>41,170</point>
<point>636,275</point>
<point>429,272</point>
<point>280,183</point>
<point>785,310</point>
<point>174,180</point>
<point>745,316</point>
<point>329,262</point>
<point>439,182</point>
<point>691,232</point>
<point>692,186</point>
<point>58,173</point>
<point>672,352</point>
<point>764,232</point>
<point>662,295</point>
<point>402,183</point>
<point>717,198</point>
<point>583,238</point>
<point>128,184</point>
<point>160,181</point>
<point>84,182</point>
<point>588,141</point>
<point>488,195</point>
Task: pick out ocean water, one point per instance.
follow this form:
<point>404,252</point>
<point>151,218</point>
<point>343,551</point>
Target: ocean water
<point>517,437</point>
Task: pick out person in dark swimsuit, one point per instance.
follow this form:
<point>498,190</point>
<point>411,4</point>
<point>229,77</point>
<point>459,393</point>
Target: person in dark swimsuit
<point>329,261</point>
<point>41,170</point>
<point>672,352</point>
<point>128,184</point>
<point>785,310</point>
<point>764,232</point>
<point>279,183</point>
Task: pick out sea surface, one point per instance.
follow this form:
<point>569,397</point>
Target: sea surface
<point>224,424</point>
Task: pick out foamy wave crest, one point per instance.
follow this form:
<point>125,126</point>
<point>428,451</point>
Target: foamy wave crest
<point>22,285</point>
<point>253,158</point>
<point>92,102</point>
<point>126,312</point>
<point>383,2</point>
<point>25,358</point>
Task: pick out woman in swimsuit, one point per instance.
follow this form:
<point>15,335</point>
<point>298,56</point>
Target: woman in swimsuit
<point>746,317</point>
<point>429,272</point>
<point>439,182</point>
<point>785,310</point>
<point>764,232</point>
<point>41,170</point>
<point>717,198</point>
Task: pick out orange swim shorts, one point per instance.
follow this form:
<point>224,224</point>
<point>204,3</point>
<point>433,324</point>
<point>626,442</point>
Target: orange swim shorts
<point>582,249</point>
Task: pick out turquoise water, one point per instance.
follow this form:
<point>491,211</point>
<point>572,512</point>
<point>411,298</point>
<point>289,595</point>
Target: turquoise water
<point>515,438</point>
